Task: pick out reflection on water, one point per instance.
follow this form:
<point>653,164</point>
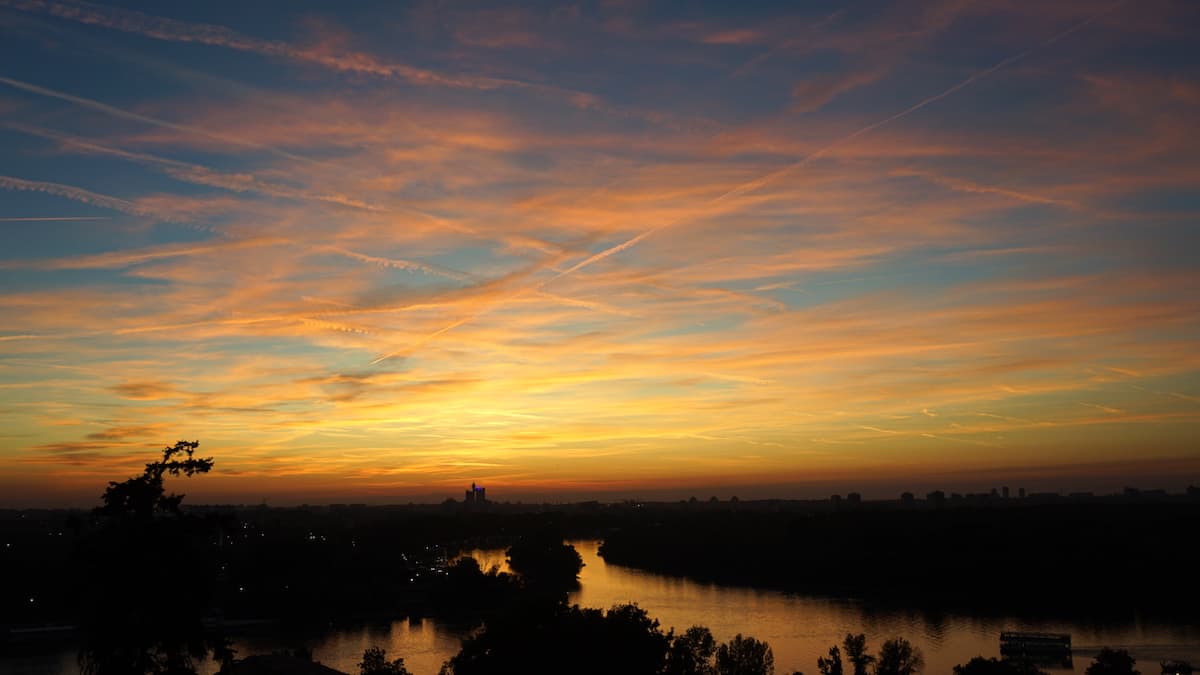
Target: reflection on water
<point>799,629</point>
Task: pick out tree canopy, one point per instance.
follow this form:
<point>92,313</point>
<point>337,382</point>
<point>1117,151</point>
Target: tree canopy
<point>374,662</point>
<point>1113,662</point>
<point>745,656</point>
<point>546,561</point>
<point>994,666</point>
<point>692,653</point>
<point>855,647</point>
<point>831,665</point>
<point>144,496</point>
<point>571,639</point>
<point>899,657</point>
<point>148,575</point>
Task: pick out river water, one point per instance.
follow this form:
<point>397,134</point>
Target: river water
<point>798,628</point>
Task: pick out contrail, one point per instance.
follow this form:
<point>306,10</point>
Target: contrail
<point>88,197</point>
<point>410,265</point>
<point>427,338</point>
<point>193,173</point>
<point>763,180</point>
<point>52,218</point>
<point>144,255</point>
<point>125,114</point>
<point>172,30</point>
<point>204,176</point>
<point>72,192</point>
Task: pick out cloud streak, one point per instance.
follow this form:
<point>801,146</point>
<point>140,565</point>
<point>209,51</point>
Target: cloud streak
<point>764,180</point>
<point>145,119</point>
<point>711,276</point>
<point>44,219</point>
<point>161,28</point>
<point>71,192</point>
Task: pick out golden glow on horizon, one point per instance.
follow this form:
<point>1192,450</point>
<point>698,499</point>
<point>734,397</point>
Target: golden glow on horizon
<point>348,274</point>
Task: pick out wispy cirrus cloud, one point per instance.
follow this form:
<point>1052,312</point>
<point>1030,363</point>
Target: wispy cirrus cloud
<point>509,285</point>
<point>129,115</point>
<point>161,28</point>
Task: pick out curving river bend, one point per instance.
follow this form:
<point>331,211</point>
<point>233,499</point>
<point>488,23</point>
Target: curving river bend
<point>798,628</point>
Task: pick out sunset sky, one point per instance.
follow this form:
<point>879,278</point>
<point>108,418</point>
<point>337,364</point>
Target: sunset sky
<point>600,249</point>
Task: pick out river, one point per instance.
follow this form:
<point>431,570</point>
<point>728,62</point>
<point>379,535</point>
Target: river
<point>798,628</point>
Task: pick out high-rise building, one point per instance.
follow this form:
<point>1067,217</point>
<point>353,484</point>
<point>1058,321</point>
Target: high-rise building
<point>476,495</point>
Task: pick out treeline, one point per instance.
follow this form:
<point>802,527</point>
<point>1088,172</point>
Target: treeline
<point>316,565</point>
<point>625,639</point>
<point>309,565</point>
<point>1099,556</point>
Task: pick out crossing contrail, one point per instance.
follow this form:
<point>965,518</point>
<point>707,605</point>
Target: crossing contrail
<point>41,219</point>
<point>767,178</point>
<point>71,192</point>
<point>153,121</point>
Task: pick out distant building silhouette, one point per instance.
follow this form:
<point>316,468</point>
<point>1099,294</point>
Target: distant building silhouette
<point>1044,496</point>
<point>854,498</point>
<point>907,497</point>
<point>937,497</point>
<point>476,495</point>
<point>1021,493</point>
<point>1004,492</point>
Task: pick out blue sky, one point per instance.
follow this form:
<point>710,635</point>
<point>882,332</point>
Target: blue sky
<point>599,249</point>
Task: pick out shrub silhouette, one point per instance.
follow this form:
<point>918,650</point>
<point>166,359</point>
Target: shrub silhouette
<point>374,662</point>
<point>1112,662</point>
<point>994,666</point>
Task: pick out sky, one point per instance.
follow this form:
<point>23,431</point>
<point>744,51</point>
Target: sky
<point>373,252</point>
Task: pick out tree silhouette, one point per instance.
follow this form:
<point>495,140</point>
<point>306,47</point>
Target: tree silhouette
<point>546,567</point>
<point>692,653</point>
<point>545,562</point>
<point>898,657</point>
<point>143,497</point>
<point>1112,662</point>
<point>147,573</point>
<point>855,647</point>
<point>832,665</point>
<point>374,662</point>
<point>745,656</point>
<point>568,639</point>
<point>994,666</point>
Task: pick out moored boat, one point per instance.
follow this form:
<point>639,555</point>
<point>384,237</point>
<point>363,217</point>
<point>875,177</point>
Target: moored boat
<point>1019,643</point>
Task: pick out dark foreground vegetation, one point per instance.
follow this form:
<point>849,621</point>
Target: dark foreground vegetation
<point>1106,557</point>
<point>149,585</point>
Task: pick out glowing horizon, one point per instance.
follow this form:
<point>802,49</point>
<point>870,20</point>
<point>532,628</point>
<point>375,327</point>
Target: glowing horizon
<point>599,249</point>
